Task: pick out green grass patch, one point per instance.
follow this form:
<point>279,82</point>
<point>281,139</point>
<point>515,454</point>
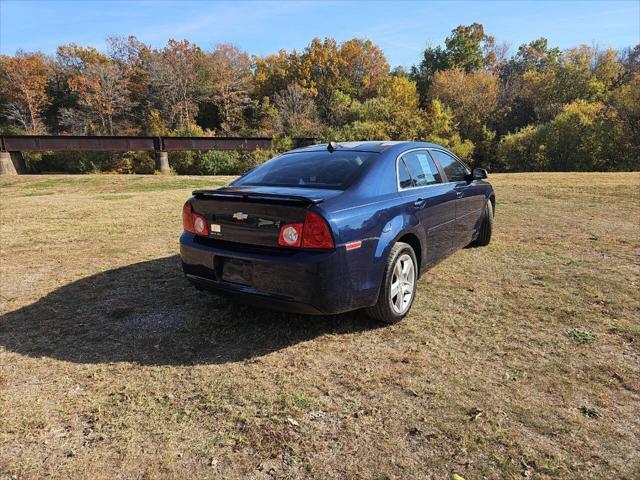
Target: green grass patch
<point>174,185</point>
<point>301,400</point>
<point>36,194</point>
<point>57,182</point>
<point>581,336</point>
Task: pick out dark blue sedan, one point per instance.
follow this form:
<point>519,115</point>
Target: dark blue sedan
<point>336,227</point>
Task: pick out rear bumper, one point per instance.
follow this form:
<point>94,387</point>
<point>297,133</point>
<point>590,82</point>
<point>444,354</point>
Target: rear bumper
<point>309,282</point>
<point>253,297</point>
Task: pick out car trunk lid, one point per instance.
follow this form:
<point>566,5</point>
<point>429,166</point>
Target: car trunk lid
<point>254,215</point>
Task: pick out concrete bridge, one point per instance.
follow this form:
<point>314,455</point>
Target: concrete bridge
<point>12,146</point>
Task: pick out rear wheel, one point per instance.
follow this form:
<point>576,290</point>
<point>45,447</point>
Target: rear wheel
<point>486,228</point>
<point>398,286</point>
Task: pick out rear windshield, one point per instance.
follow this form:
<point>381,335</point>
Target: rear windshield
<point>323,169</point>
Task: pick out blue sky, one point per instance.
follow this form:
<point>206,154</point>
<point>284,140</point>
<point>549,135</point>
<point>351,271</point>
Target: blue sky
<point>401,28</point>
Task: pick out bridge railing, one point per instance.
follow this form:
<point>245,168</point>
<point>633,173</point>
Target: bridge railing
<point>12,146</point>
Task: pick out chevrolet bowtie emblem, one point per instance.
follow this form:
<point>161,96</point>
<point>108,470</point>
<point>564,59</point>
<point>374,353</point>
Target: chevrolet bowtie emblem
<point>240,216</point>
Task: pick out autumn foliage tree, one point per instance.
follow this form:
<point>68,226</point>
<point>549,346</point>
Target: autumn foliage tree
<point>103,96</point>
<point>229,74</point>
<point>468,48</point>
<point>273,73</point>
<point>178,80</point>
<point>363,67</point>
<point>134,58</point>
<point>472,98</point>
<point>296,112</point>
<point>23,81</point>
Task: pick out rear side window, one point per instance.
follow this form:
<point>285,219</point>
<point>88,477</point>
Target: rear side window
<point>453,169</point>
<point>321,169</point>
<point>404,178</point>
<point>422,168</point>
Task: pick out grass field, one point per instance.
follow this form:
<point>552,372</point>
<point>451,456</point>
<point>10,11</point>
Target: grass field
<point>518,360</point>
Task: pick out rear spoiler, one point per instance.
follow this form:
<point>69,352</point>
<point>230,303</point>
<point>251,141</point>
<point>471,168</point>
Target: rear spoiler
<point>246,196</point>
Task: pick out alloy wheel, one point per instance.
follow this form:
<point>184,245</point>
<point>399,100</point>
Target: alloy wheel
<point>402,283</point>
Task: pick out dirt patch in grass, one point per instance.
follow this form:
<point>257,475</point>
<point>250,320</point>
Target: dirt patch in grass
<point>111,365</point>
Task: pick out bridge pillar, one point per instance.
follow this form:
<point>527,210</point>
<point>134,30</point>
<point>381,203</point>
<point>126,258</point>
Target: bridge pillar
<point>6,164</point>
<point>162,162</point>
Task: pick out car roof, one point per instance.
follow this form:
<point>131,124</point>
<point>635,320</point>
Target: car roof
<point>377,146</point>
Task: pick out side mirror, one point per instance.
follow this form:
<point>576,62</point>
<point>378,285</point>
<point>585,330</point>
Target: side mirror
<point>479,174</point>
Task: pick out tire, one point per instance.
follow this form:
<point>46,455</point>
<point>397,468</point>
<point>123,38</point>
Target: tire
<point>390,309</point>
<point>486,228</point>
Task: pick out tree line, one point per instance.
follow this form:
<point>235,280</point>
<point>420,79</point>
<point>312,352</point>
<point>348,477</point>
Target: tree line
<point>535,109</point>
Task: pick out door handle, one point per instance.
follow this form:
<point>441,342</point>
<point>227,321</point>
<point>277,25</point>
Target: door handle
<point>419,203</point>
<point>459,194</point>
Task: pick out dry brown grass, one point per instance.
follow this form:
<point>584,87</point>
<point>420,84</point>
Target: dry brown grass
<point>518,360</point>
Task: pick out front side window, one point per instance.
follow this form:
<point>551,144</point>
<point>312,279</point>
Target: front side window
<point>316,169</point>
<point>453,169</point>
<point>422,168</point>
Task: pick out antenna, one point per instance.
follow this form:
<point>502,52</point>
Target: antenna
<point>331,146</point>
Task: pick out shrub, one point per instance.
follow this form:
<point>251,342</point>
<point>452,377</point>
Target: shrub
<point>248,161</point>
<point>260,155</point>
<point>183,163</point>
<point>579,138</point>
<point>281,144</point>
<point>573,140</point>
<point>216,162</point>
<point>73,162</point>
<point>462,148</point>
<point>89,162</point>
<point>522,151</point>
<point>32,161</point>
<point>140,162</point>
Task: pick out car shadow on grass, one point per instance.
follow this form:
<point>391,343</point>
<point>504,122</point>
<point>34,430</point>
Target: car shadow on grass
<point>148,313</point>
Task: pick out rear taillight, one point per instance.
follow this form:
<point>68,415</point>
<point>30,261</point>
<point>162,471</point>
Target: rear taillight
<point>200,224</point>
<point>187,218</point>
<point>290,235</point>
<point>313,233</point>
<point>316,233</point>
<point>193,222</point>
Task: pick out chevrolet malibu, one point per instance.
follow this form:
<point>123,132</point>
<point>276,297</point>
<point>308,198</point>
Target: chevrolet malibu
<point>336,227</point>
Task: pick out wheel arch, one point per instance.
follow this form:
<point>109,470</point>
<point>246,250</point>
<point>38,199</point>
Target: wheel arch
<point>410,233</point>
<point>401,227</point>
<point>414,242</point>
